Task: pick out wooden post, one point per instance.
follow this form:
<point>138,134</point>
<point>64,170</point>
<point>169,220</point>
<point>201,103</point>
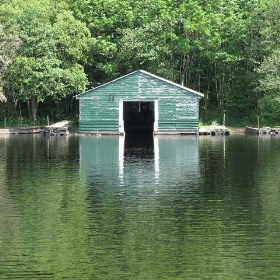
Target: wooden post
<point>48,121</point>
<point>258,124</point>
<point>224,118</point>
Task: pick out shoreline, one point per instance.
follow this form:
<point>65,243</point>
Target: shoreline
<point>41,129</point>
<point>22,130</point>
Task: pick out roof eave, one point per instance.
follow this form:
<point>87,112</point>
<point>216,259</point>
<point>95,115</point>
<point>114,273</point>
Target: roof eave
<point>172,83</point>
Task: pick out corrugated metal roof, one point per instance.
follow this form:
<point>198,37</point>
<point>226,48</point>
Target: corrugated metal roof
<point>146,73</point>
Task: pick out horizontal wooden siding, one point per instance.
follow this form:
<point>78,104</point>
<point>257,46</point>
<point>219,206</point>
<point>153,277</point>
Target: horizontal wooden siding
<point>178,109</point>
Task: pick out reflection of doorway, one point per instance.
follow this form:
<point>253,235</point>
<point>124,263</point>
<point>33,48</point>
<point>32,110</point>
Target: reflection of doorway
<point>138,117</point>
<point>136,151</point>
<point>140,146</point>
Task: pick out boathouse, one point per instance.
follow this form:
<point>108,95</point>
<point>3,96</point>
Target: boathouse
<point>139,102</point>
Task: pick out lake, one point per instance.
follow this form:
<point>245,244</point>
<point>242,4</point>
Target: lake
<point>165,207</point>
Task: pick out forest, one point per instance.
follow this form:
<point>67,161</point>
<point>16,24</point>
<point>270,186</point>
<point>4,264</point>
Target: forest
<point>52,50</point>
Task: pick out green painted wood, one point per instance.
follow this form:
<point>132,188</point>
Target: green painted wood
<point>178,106</point>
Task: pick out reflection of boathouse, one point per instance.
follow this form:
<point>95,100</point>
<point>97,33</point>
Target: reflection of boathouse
<point>139,102</point>
<point>151,161</point>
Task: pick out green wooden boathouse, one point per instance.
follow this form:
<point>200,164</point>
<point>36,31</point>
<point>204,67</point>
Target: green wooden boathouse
<point>139,102</point>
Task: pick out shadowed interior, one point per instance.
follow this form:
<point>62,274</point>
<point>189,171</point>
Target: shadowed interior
<point>138,116</point>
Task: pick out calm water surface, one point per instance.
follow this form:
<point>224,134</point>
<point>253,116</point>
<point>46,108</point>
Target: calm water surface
<point>140,208</point>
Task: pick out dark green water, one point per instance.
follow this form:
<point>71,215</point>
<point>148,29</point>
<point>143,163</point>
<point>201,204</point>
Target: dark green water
<point>163,208</point>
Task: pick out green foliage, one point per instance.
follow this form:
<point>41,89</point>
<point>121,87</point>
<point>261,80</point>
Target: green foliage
<point>269,88</point>
<point>43,77</point>
<point>22,122</point>
<point>270,109</point>
<point>224,49</point>
<point>208,117</point>
<point>72,38</point>
<point>270,73</point>
<point>9,44</point>
<point>53,43</point>
<point>144,48</point>
<point>214,117</point>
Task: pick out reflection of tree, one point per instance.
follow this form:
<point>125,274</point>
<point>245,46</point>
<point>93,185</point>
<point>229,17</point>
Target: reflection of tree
<point>234,179</point>
<point>84,225</point>
<point>9,227</point>
<point>269,201</point>
<point>230,166</point>
<point>50,199</point>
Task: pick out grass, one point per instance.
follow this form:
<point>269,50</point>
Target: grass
<point>22,122</point>
<point>208,118</point>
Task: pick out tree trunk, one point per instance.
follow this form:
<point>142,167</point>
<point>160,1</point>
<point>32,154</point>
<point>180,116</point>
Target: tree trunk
<point>32,108</point>
<point>68,105</point>
<point>184,69</point>
<point>15,103</point>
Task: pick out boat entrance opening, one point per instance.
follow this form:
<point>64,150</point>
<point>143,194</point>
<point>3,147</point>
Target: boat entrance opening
<point>138,117</point>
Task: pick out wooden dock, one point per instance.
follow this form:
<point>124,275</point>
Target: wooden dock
<point>57,129</point>
<point>263,130</point>
<point>214,131</point>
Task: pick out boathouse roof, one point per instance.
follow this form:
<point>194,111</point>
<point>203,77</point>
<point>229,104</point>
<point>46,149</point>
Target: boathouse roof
<point>83,95</point>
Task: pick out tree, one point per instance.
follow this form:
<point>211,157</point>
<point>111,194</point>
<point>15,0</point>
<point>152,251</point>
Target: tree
<point>47,64</point>
<point>269,86</point>
<point>263,49</point>
<point>213,46</point>
<point>72,39</point>
<point>147,47</point>
<point>9,45</point>
<point>43,77</point>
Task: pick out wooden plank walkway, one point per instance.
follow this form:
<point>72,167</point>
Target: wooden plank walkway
<point>57,129</point>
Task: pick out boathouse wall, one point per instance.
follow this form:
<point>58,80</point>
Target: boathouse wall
<point>175,108</point>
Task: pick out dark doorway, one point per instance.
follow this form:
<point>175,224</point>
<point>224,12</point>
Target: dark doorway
<point>139,117</point>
